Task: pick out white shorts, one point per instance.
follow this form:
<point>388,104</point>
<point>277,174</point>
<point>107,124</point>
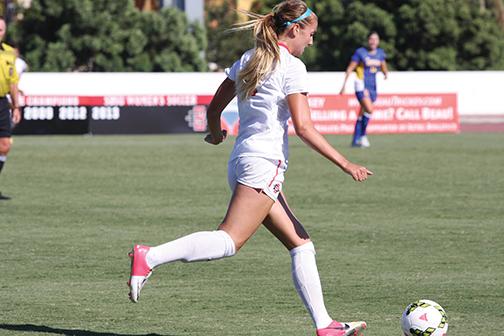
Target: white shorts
<point>359,85</point>
<point>257,173</point>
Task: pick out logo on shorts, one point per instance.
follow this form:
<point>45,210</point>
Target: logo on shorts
<point>276,188</point>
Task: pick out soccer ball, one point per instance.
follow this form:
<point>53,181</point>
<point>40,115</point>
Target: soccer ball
<point>424,318</point>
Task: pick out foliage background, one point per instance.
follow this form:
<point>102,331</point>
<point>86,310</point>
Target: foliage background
<point>86,35</point>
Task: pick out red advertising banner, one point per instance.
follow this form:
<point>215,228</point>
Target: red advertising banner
<point>393,113</point>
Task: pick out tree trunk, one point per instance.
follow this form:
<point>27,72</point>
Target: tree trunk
<point>482,4</point>
<point>499,12</point>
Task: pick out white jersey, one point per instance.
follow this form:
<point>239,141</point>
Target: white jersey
<point>263,116</point>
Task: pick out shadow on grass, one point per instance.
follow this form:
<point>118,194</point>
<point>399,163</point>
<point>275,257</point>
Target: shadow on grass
<point>66,332</point>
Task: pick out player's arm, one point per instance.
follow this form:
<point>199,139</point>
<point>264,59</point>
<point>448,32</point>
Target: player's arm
<point>223,96</point>
<point>301,118</point>
<point>351,68</point>
<point>14,93</point>
<point>384,68</point>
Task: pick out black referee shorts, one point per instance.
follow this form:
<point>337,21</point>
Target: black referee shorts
<point>5,118</point>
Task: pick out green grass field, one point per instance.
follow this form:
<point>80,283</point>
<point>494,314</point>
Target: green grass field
<point>429,224</point>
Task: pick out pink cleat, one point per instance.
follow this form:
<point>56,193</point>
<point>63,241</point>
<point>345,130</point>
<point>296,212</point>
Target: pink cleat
<point>343,329</point>
<point>140,271</point>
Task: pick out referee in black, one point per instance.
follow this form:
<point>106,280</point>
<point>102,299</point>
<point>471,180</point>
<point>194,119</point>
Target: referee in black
<point>8,86</point>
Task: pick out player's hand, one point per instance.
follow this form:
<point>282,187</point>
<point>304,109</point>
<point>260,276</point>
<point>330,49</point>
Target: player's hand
<point>358,173</point>
<point>212,141</point>
<point>16,116</point>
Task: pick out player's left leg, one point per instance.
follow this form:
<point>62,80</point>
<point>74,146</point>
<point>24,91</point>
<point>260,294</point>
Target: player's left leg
<point>287,228</point>
<point>367,111</point>
<point>358,123</point>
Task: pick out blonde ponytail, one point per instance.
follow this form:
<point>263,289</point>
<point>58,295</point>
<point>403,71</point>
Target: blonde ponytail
<point>266,29</point>
<point>266,54</point>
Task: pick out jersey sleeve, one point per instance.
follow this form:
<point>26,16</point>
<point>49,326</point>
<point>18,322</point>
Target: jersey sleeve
<point>21,66</point>
<point>356,57</point>
<point>232,72</point>
<point>383,55</point>
<point>296,78</point>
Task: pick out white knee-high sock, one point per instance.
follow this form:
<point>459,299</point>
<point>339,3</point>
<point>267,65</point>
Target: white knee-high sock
<point>199,246</point>
<point>307,282</point>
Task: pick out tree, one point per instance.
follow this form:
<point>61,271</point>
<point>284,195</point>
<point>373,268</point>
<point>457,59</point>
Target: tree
<point>225,46</point>
<point>447,35</point>
<point>87,35</point>
<point>429,35</point>
<point>481,42</point>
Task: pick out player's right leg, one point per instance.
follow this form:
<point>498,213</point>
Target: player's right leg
<point>246,211</point>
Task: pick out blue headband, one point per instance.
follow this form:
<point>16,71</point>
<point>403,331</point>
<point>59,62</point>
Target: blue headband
<point>302,17</point>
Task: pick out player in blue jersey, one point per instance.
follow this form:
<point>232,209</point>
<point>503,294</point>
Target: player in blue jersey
<point>366,62</point>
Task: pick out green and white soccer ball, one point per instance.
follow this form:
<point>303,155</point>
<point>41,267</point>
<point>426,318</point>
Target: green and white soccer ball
<point>424,318</point>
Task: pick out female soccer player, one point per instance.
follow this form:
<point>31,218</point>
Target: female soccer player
<point>271,85</point>
<point>366,62</point>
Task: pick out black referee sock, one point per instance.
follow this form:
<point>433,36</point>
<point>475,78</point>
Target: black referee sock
<point>2,162</point>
